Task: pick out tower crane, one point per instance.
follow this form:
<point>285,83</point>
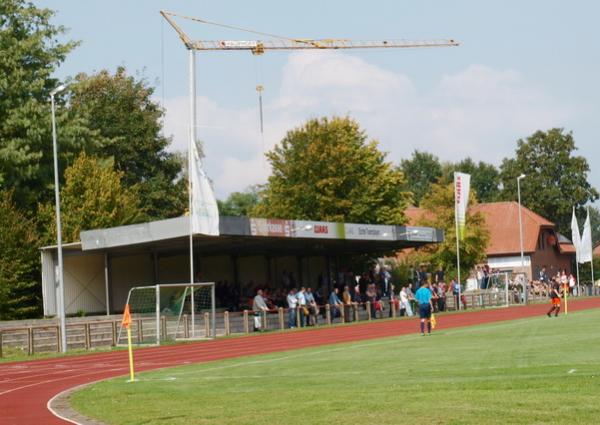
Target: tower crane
<point>278,42</point>
<point>258,47</point>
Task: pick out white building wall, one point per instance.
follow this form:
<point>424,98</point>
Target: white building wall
<point>49,286</point>
<point>511,262</point>
<point>84,283</point>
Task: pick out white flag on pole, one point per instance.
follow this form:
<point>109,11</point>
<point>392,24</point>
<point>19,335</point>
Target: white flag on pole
<point>585,255</point>
<point>205,212</point>
<point>575,237</point>
<point>462,184</point>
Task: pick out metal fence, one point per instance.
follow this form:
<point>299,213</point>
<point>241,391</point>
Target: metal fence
<point>94,333</point>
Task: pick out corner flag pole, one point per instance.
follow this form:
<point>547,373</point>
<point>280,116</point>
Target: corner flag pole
<point>127,323</point>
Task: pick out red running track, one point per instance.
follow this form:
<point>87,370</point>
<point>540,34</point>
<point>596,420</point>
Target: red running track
<point>26,387</point>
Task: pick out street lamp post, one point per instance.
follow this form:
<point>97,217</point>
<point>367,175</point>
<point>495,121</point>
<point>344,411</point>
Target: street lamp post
<point>61,286</point>
<point>526,283</point>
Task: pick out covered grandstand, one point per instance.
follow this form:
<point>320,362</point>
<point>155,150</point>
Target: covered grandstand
<point>100,269</point>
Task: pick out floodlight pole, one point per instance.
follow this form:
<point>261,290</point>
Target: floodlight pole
<point>192,93</point>
<point>61,286</point>
<point>526,283</point>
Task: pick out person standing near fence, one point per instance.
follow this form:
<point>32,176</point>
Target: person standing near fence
<point>371,295</point>
<point>405,307</point>
<point>335,303</point>
<point>259,306</point>
<point>441,296</point>
<point>313,308</point>
<point>292,302</point>
<point>301,297</point>
<point>423,297</point>
<point>394,302</point>
<point>347,298</point>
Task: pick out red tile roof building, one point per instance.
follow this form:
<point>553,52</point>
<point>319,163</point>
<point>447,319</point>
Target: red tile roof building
<point>543,246</point>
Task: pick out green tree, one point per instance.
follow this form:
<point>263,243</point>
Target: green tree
<point>485,177</point>
<point>240,204</point>
<point>556,181</point>
<point>421,171</point>
<point>92,197</point>
<point>121,109</point>
<point>327,170</point>
<point>438,206</point>
<point>29,58</point>
<point>20,292</point>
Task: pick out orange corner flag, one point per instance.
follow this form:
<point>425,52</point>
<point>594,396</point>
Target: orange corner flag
<point>126,317</point>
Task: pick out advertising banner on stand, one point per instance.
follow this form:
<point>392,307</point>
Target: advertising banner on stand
<point>462,185</point>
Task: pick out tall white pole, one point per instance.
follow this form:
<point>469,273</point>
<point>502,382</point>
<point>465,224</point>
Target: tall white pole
<point>577,268</point>
<point>457,249</point>
<point>192,88</point>
<point>526,283</point>
<point>592,250</point>
<point>61,287</point>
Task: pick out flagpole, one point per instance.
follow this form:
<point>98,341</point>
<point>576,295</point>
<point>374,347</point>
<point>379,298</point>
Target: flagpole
<point>591,247</point>
<point>577,267</point>
<point>192,88</point>
<point>457,243</point>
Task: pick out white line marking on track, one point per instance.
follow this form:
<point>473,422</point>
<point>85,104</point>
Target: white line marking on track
<point>58,379</point>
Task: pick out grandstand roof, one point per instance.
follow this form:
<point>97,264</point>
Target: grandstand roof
<point>255,236</point>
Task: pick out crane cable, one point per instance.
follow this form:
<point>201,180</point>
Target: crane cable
<point>233,27</point>
<point>259,89</point>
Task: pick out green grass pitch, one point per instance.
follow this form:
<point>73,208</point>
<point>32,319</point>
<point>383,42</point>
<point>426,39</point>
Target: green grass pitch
<point>530,371</point>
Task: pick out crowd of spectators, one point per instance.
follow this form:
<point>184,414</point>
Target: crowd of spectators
<point>374,290</point>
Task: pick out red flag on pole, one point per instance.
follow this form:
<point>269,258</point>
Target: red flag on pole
<point>126,317</point>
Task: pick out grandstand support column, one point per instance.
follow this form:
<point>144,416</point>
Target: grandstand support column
<point>213,319</point>
<point>106,284</point>
<point>157,314</point>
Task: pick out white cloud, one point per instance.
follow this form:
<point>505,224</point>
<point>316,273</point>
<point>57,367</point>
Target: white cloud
<point>477,112</point>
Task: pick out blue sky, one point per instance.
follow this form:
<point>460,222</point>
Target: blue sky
<point>521,66</point>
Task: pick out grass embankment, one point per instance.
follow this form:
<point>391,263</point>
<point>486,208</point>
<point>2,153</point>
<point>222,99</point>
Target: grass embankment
<point>526,371</point>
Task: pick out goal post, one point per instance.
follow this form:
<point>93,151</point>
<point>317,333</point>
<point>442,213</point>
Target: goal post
<point>168,312</point>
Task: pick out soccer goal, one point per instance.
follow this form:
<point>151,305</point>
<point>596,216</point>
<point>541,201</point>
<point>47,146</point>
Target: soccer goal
<point>170,312</point>
<point>499,289</point>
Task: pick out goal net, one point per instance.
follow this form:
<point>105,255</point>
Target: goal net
<point>169,312</point>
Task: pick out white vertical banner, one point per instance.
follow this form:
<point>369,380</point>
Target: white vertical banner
<point>575,237</point>
<point>205,212</point>
<point>462,185</point>
<point>586,242</point>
